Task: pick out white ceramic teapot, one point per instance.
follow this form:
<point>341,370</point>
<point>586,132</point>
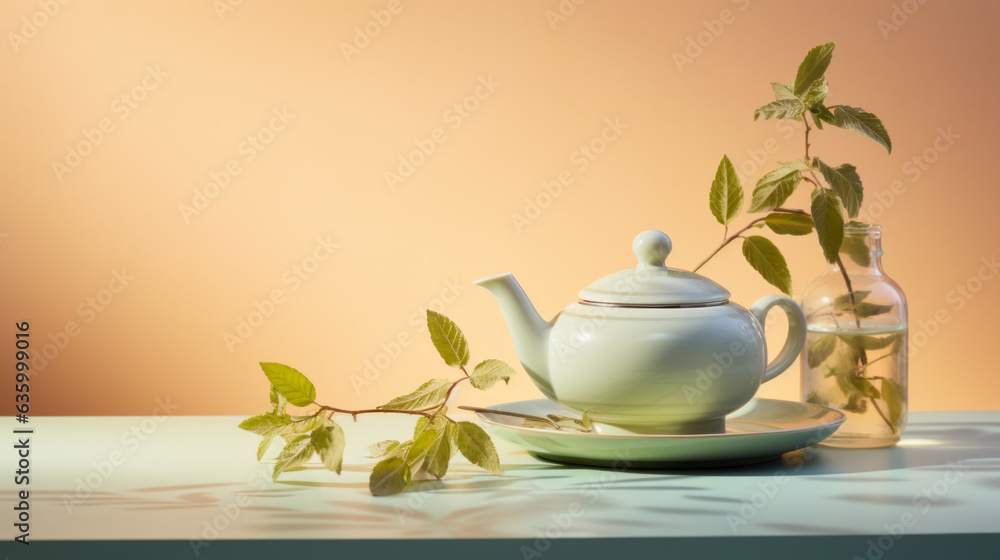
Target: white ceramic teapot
<point>649,350</point>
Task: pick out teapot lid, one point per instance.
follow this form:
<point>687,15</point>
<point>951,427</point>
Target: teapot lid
<point>651,283</point>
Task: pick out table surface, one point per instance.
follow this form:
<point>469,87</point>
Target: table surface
<point>172,478</point>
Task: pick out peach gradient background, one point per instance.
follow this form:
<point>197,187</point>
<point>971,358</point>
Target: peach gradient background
<point>162,336</point>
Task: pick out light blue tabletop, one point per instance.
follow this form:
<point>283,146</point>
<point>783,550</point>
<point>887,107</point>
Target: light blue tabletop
<point>194,484</point>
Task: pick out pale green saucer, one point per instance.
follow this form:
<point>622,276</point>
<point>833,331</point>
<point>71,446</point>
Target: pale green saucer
<point>760,431</point>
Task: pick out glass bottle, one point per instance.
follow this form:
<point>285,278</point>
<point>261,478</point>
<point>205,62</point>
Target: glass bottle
<point>855,359</point>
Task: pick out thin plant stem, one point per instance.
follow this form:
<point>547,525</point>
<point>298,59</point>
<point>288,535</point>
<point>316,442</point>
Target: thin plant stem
<point>426,412</point>
<point>862,354</point>
<point>355,413</point>
<point>805,120</point>
<point>739,233</point>
<point>850,293</point>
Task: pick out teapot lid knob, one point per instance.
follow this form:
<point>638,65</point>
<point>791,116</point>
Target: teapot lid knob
<point>651,247</point>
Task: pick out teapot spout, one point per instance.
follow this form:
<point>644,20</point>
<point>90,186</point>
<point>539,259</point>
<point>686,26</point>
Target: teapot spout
<point>529,331</point>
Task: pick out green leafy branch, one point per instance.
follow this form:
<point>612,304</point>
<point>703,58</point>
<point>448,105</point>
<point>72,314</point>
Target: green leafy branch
<point>837,189</point>
<point>436,436</point>
<point>841,356</point>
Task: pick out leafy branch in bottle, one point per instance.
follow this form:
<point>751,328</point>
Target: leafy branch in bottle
<point>835,190</point>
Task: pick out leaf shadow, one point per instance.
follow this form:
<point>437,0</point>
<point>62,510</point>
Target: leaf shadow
<point>940,446</point>
<point>315,484</point>
<point>989,482</point>
<point>722,499</point>
<point>893,500</point>
<point>805,529</point>
<point>682,511</point>
<point>185,487</point>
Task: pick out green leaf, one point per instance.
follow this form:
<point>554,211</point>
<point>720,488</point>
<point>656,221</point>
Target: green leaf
<point>815,398</point>
<point>401,451</point>
<point>862,122</point>
<point>842,303</point>
<point>448,339</point>
<point>892,394</point>
<point>533,423</point>
<point>295,453</point>
<point>570,422</point>
<point>383,448</point>
<point>268,426</point>
<point>846,183</point>
<point>822,115</point>
<point>278,402</point>
<point>766,259</point>
<point>420,427</point>
<point>865,387</point>
<point>488,372</point>
<point>263,446</point>
<point>781,109</point>
<point>437,422</point>
<point>819,349</point>
<point>861,308</point>
<point>329,442</point>
<point>813,67</point>
<point>784,223</point>
<point>843,365</point>
<point>290,383</point>
<point>563,421</point>
<point>817,94</point>
<point>475,445</point>
<point>865,309</point>
<point>796,164</point>
<point>856,403</point>
<point>431,451</point>
<point>586,420</point>
<point>265,424</point>
<point>389,476</point>
<point>302,425</point>
<point>828,216</point>
<point>774,189</point>
<point>857,250</point>
<point>725,199</point>
<point>783,91</point>
<point>865,342</point>
<point>429,394</point>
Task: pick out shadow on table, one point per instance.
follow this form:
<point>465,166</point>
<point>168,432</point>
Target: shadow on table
<point>161,498</point>
<point>449,484</point>
<point>925,447</point>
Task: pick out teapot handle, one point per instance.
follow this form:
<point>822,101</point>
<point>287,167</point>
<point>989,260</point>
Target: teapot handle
<point>796,332</point>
